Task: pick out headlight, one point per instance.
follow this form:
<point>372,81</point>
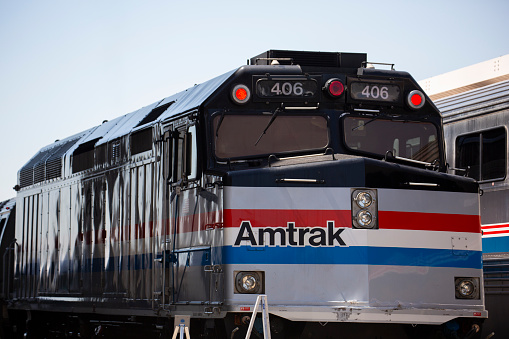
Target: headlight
<point>249,282</point>
<point>363,199</point>
<point>467,288</point>
<point>364,208</point>
<point>364,218</point>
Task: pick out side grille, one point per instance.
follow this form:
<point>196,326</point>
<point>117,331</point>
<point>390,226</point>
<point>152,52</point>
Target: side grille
<point>45,165</point>
<point>496,276</point>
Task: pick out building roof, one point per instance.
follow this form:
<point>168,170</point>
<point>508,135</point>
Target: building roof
<point>467,78</point>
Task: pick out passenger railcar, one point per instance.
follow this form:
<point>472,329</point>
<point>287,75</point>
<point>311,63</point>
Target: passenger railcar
<point>475,124</point>
<point>304,176</point>
<point>7,243</point>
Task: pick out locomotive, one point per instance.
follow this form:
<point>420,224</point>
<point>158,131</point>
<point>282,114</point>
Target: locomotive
<point>313,178</point>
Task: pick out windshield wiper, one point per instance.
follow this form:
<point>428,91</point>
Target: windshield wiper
<point>220,122</point>
<point>272,118</point>
<point>375,117</point>
<point>389,155</point>
<point>364,124</point>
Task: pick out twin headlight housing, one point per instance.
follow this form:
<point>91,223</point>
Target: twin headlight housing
<point>364,208</point>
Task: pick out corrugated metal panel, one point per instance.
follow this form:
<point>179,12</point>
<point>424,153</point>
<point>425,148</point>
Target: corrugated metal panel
<point>483,100</point>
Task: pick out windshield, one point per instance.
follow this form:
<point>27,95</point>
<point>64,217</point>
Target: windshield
<point>411,140</point>
<point>237,135</point>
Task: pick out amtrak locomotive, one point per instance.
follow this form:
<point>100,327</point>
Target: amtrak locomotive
<point>313,178</point>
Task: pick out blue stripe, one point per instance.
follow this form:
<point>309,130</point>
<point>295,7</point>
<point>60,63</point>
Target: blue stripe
<point>353,255</point>
<point>495,244</point>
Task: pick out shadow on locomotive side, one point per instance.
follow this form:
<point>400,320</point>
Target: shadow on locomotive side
<point>308,177</point>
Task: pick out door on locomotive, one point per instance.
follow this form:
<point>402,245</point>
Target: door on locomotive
<point>192,267</point>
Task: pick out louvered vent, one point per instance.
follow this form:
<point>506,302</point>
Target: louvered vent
<point>141,141</point>
<point>83,156</point>
<point>45,165</point>
<point>115,152</point>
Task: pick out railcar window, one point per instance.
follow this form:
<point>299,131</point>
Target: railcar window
<point>483,153</point>
<point>411,140</point>
<point>238,134</point>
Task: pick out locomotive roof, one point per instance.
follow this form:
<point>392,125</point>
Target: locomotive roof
<point>180,102</point>
<point>186,100</point>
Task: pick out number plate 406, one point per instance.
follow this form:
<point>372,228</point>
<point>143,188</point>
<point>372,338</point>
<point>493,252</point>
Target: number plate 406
<point>374,91</point>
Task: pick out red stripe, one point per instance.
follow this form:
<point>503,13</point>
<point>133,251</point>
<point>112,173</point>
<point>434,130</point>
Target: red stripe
<point>301,218</point>
<point>343,218</point>
<point>494,226</point>
<point>280,218</point>
<point>429,221</point>
<point>496,232</point>
<point>186,224</point>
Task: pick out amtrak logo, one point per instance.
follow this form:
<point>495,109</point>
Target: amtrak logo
<point>290,235</point>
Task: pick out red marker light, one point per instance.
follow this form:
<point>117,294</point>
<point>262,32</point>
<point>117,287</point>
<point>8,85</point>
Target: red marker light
<point>335,87</point>
<point>415,99</point>
<point>241,94</point>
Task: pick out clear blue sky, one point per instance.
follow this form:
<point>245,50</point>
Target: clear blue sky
<point>66,66</point>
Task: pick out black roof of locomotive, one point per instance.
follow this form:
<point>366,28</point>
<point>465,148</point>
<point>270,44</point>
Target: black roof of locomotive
<point>49,162</point>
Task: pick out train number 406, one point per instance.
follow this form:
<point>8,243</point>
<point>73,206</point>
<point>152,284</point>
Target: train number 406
<point>287,88</point>
<point>376,92</point>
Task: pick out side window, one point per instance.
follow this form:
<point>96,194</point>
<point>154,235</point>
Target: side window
<point>183,148</point>
<point>168,151</point>
<point>483,153</point>
<point>191,153</point>
<point>178,153</point>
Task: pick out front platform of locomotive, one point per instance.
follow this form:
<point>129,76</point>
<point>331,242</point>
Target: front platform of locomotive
<point>336,201</point>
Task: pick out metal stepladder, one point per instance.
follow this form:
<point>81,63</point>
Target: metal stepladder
<point>182,329</point>
<point>261,301</point>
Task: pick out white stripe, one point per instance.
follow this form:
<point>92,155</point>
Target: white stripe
<point>287,198</point>
<point>488,233</point>
<point>339,198</point>
<point>428,201</point>
<point>393,238</point>
<point>500,224</point>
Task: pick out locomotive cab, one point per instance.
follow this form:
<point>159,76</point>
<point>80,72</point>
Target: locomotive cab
<point>334,175</point>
